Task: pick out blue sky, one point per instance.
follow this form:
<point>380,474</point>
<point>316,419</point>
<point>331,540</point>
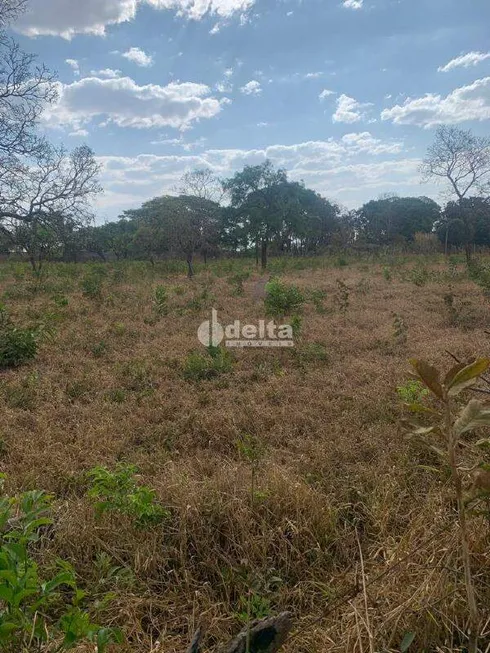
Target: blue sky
<point>345,94</point>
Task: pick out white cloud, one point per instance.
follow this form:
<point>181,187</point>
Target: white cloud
<point>316,75</point>
<point>353,4</point>
<point>74,65</point>
<point>348,168</point>
<point>252,88</point>
<point>110,73</point>
<point>326,93</point>
<point>465,61</point>
<point>349,110</point>
<point>197,9</point>
<point>470,102</point>
<point>139,57</point>
<point>122,102</point>
<point>69,17</point>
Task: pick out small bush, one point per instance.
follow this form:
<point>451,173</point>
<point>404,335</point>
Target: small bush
<point>91,285</point>
<point>282,299</point>
<point>310,353</point>
<point>412,392</point>
<point>40,608</point>
<point>17,346</point>
<point>118,491</point>
<point>160,300</point>
<point>202,367</point>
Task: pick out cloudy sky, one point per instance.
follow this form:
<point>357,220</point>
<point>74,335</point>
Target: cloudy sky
<point>345,94</point>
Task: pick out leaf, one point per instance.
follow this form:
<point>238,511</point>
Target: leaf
<point>406,642</point>
<point>453,371</point>
<point>420,408</point>
<point>429,375</point>
<point>424,430</point>
<point>468,376</point>
<point>471,417</point>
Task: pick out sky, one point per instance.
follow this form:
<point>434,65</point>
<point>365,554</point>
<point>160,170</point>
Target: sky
<point>344,94</point>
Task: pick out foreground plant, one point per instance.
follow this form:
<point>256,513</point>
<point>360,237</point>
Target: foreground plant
<point>451,424</point>
<point>118,491</point>
<point>35,611</point>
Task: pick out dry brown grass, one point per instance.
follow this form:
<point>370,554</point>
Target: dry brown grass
<point>337,471</point>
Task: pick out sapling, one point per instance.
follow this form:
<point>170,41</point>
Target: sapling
<point>451,425</point>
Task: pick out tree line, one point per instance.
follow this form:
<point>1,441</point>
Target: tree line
<point>46,194</point>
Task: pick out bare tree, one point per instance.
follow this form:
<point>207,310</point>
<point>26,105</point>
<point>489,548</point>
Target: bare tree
<point>202,183</point>
<point>40,185</point>
<point>461,159</point>
<point>42,191</point>
<point>9,10</point>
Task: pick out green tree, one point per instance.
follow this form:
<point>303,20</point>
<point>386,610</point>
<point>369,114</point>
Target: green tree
<point>258,198</point>
<point>396,219</point>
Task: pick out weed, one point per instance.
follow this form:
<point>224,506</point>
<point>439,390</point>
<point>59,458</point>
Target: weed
<point>91,285</point>
<point>412,392</point>
<point>342,296</point>
<point>17,346</point>
<point>237,280</point>
<point>117,396</point>
<point>99,349</point>
<point>363,287</point>
<point>400,330</point>
<point>418,276</point>
<point>136,376</point>
<point>387,273</point>
<point>23,394</point>
<point>309,353</point>
<point>282,299</point>
<point>317,297</point>
<point>200,367</point>
<point>160,300</point>
<point>118,491</point>
<point>341,262</point>
<point>35,612</point>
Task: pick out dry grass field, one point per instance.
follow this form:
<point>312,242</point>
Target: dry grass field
<point>340,495</point>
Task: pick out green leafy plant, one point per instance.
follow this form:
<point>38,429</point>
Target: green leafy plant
<point>448,426</point>
<point>160,300</point>
<point>419,276</point>
<point>17,346</point>
<point>118,491</point>
<point>36,612</point>
<point>317,297</point>
<point>387,273</point>
<point>282,299</point>
<point>412,392</point>
<point>201,367</point>
<point>91,286</point>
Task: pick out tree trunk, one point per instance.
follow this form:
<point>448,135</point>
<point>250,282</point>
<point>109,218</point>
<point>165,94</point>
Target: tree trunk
<point>468,250</point>
<point>263,255</point>
<point>190,269</point>
<point>257,253</point>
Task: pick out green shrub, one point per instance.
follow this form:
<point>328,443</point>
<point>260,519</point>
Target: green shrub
<point>201,367</point>
<point>160,300</point>
<point>17,346</point>
<point>282,299</point>
<point>412,392</point>
<point>91,285</point>
<point>40,608</point>
<point>118,491</point>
